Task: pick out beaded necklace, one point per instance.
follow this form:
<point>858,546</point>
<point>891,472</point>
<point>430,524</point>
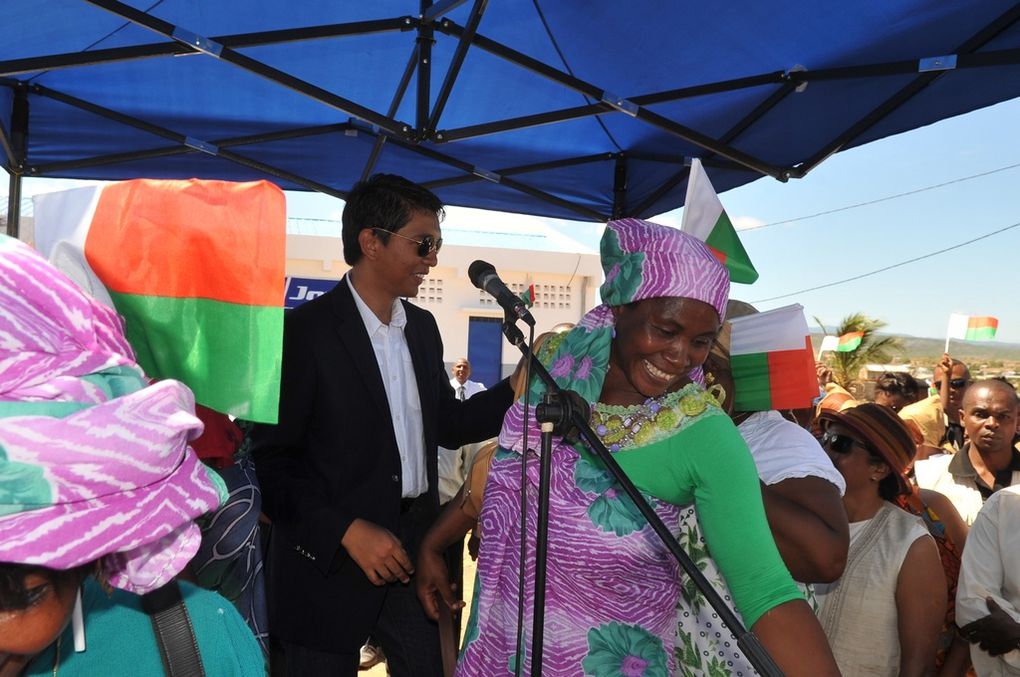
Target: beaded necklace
<point>620,427</point>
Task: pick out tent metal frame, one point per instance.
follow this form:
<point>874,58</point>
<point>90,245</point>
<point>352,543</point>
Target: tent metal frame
<point>425,137</point>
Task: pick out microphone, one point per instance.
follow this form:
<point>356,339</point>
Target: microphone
<point>483,275</point>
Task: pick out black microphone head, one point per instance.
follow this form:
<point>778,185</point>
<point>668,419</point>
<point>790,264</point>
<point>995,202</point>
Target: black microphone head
<point>478,270</point>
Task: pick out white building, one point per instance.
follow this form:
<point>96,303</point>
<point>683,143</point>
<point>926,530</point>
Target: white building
<point>565,272</point>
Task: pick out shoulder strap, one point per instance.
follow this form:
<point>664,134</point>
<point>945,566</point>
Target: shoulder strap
<point>175,636</point>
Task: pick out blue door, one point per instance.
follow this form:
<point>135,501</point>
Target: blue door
<point>485,350</point>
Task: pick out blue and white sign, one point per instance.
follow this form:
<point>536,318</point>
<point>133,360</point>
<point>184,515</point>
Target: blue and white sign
<point>301,289</point>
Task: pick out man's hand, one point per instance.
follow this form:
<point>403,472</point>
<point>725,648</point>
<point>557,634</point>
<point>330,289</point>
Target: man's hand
<point>378,552</point>
<point>946,365</point>
<point>433,583</point>
<point>997,633</point>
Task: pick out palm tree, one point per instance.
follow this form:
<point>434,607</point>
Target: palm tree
<point>879,349</point>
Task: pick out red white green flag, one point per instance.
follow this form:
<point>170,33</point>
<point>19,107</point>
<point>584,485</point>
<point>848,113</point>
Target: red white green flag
<point>849,342</point>
<point>972,327</point>
<point>196,268</point>
<point>772,360</point>
<point>705,219</point>
<point>528,296</point>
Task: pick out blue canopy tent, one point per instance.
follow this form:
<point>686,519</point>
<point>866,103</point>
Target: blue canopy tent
<point>583,110</point>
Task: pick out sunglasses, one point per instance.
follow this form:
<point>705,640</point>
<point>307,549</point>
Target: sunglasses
<point>426,245</point>
<point>956,383</point>
<point>841,444</point>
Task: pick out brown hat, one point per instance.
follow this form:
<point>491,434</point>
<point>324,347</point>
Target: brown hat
<point>883,431</point>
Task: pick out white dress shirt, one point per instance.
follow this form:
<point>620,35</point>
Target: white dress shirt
<point>394,360</point>
<point>454,463</point>
<point>991,568</point>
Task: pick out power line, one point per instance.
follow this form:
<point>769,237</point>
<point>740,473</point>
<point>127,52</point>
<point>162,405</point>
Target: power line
<point>881,199</point>
<point>895,265</point>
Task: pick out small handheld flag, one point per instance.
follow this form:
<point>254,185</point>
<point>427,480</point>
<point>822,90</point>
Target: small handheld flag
<point>829,343</point>
<point>528,296</point>
<point>850,342</point>
<point>705,219</point>
<point>971,328</point>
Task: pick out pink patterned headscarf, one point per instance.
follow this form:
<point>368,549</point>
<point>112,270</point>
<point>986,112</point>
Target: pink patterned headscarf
<point>94,463</point>
<point>641,260</point>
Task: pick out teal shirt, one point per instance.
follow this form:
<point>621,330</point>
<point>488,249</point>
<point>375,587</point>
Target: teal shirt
<point>119,638</point>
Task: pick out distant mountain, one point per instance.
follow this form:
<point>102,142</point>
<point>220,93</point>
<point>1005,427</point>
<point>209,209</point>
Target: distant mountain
<point>928,350</point>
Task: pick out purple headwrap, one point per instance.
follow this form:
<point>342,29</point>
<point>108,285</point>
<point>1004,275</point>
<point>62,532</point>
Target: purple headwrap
<point>641,260</point>
<point>94,464</point>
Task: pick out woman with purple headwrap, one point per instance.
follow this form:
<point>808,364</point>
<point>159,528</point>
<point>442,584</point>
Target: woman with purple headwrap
<point>612,585</point>
<point>98,491</point>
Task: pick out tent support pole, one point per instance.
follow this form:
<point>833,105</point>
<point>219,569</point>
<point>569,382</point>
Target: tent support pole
<point>620,186</point>
<point>521,169</point>
<point>455,63</point>
<point>14,205</point>
<point>426,37</point>
<point>18,153</point>
<point>236,41</point>
<point>731,134</point>
<point>185,145</point>
<point>398,96</point>
<point>594,92</point>
<point>974,43</point>
<point>250,65</point>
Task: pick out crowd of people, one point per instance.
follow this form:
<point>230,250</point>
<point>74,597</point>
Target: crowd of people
<point>850,537</point>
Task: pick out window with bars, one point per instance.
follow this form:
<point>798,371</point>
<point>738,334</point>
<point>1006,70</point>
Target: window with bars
<point>546,295</point>
<point>430,292</point>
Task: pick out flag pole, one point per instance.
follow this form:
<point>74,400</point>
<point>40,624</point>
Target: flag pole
<point>946,350</point>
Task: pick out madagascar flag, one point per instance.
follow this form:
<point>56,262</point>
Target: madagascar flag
<point>772,361</point>
<point>705,219</point>
<point>196,268</point>
<point>849,342</point>
<point>528,296</point>
<point>972,327</point>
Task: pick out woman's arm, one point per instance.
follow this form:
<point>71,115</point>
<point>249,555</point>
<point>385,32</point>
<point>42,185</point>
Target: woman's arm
<point>719,468</point>
<point>432,578</point>
<point>956,528</point>
<point>920,607</point>
<point>792,635</point>
<point>809,524</point>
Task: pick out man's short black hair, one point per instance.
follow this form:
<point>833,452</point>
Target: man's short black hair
<point>387,202</point>
<point>897,383</point>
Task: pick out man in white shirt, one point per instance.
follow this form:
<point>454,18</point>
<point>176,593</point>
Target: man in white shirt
<point>988,596</point>
<point>454,463</point>
<point>349,474</point>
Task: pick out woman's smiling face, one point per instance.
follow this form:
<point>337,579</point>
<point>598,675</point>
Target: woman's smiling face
<point>658,342</point>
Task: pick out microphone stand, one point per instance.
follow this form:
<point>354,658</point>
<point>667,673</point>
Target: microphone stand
<point>565,413</point>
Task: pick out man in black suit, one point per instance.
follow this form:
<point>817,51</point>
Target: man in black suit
<point>349,474</point>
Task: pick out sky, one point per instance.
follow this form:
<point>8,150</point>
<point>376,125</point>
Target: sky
<point>916,298</point>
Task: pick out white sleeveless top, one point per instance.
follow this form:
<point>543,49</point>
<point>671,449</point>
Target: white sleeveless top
<point>858,612</point>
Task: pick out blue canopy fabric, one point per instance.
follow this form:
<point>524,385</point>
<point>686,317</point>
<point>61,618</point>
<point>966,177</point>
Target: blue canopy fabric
<point>582,110</point>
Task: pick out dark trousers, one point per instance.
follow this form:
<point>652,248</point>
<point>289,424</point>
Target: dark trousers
<point>408,638</point>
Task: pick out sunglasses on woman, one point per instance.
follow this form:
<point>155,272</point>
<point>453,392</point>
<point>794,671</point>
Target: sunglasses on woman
<point>426,245</point>
<point>956,383</point>
<point>841,444</point>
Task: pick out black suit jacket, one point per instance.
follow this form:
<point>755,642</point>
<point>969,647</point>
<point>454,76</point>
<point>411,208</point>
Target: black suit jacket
<point>333,457</point>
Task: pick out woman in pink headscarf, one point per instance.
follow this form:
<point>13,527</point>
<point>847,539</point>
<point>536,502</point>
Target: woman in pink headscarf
<point>98,490</point>
<point>612,585</point>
